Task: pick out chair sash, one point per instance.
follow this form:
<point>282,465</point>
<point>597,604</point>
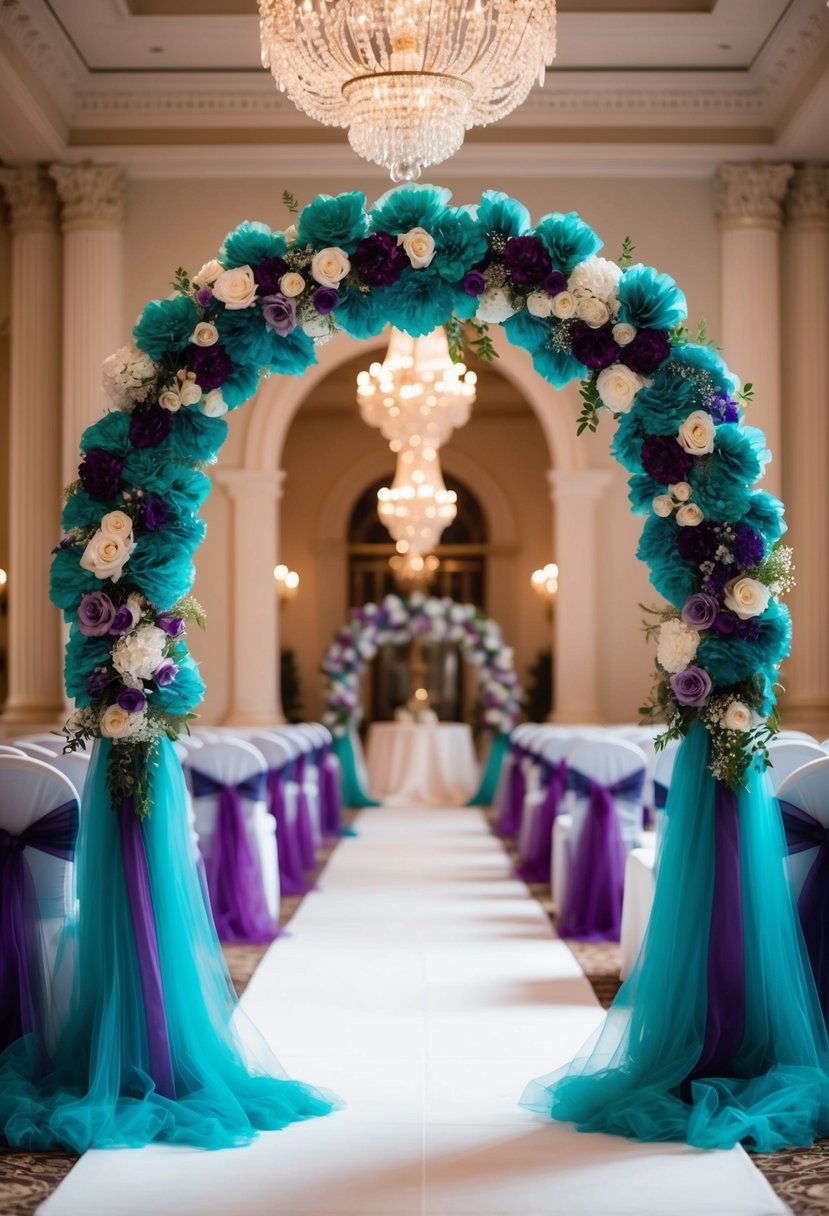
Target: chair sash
<point>21,1003</point>
<point>509,821</point>
<point>535,865</point>
<point>234,873</point>
<point>291,875</point>
<point>804,832</point>
<point>330,793</point>
<point>303,816</point>
<point>595,883</point>
<point>660,796</point>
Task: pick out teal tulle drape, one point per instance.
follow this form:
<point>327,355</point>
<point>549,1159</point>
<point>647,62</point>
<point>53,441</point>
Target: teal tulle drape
<point>485,793</point>
<point>99,1090</point>
<point>354,793</point>
<point>639,1076</point>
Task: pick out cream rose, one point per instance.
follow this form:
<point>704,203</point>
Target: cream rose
<point>190,392</point>
<point>213,404</point>
<point>540,304</point>
<point>624,333</point>
<point>592,310</point>
<point>494,306</point>
<point>738,716</point>
<point>419,246</point>
<point>205,334</point>
<point>208,274</point>
<point>689,515</point>
<point>330,266</point>
<point>117,523</point>
<point>138,654</point>
<point>746,597</point>
<point>677,645</point>
<point>292,284</point>
<point>290,234</point>
<point>236,288</point>
<point>696,435</point>
<point>663,505</point>
<point>564,305</point>
<point>105,555</point>
<point>617,386</point>
<point>170,400</point>
<point>118,723</point>
<point>680,490</point>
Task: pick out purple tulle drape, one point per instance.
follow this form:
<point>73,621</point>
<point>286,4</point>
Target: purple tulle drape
<point>535,865</point>
<point>509,821</point>
<point>291,875</point>
<point>303,815</point>
<point>805,832</point>
<point>330,794</point>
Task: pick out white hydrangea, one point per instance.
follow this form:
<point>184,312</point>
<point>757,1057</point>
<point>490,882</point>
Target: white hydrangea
<point>128,376</point>
<point>677,645</point>
<point>596,277</point>
<point>138,654</point>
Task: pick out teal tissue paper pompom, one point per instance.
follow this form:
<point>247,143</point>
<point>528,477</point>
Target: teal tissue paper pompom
<point>465,306</point>
<point>240,385</point>
<point>409,206</point>
<point>670,576</point>
<point>662,406</point>
<point>165,326</point>
<point>245,337</point>
<point>500,215</point>
<point>328,221</point>
<point>194,439</point>
<point>82,655</point>
<point>730,660</point>
<point>420,301</point>
<point>81,511</point>
<point>185,692</point>
<point>722,482</point>
<point>555,362</point>
<point>692,356</point>
<point>251,243</point>
<point>460,243</point>
<point>641,492</point>
<point>184,489</point>
<point>650,300</point>
<point>627,443</point>
<point>161,569</point>
<point>764,513</point>
<point>567,239</point>
<point>111,432</point>
<point>529,332</point>
<point>362,314</point>
<point>293,355</point>
<point>68,583</point>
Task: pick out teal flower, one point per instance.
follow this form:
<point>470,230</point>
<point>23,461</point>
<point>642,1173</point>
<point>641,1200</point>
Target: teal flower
<point>500,215</point>
<point>82,654</point>
<point>241,384</point>
<point>641,492</point>
<point>707,361</point>
<point>186,691</point>
<point>184,489</point>
<point>68,583</point>
<point>671,577</point>
<point>160,567</point>
<point>732,659</point>
<point>460,243</point>
<point>339,221</point>
<point>567,239</point>
<point>465,306</point>
<point>555,361</point>
<point>650,300</point>
<point>194,439</point>
<point>626,445</point>
<point>362,314</point>
<point>661,407</point>
<point>111,432</point>
<point>409,206</point>
<point>165,326</point>
<point>764,513</point>
<point>419,302</point>
<point>244,335</point>
<point>250,244</point>
<point>722,482</point>
<point>293,355</point>
<point>82,511</point>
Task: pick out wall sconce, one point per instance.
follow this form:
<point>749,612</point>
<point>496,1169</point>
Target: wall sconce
<point>545,580</point>
<point>287,581</point>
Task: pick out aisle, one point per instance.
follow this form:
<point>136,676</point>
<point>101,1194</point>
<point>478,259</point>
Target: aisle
<point>423,984</point>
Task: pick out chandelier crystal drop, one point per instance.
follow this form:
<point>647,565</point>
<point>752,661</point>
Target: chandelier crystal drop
<point>407,78</point>
<point>417,506</point>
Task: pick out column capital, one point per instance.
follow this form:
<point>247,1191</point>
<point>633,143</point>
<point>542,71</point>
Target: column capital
<point>807,203</point>
<point>92,195</point>
<point>751,195</point>
<point>31,197</point>
<point>578,483</point>
<point>247,483</point>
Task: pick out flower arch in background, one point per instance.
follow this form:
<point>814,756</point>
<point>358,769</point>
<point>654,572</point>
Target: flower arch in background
<point>395,622</point>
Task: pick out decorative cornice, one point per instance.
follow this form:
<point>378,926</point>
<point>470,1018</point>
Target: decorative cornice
<point>807,202</point>
<point>31,197</point>
<point>92,195</point>
<point>36,36</point>
<point>751,194</point>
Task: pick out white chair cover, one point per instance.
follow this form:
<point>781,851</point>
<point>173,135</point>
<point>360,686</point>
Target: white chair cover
<point>49,740</point>
<point>788,755</point>
<point>75,766</point>
<point>808,789</point>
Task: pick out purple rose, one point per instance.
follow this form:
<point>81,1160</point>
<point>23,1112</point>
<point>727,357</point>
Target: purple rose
<point>647,352</point>
<point>474,283</point>
<point>747,546</point>
<point>100,473</point>
<point>150,427</point>
<point>132,700</point>
<point>95,614</point>
<point>700,610</point>
<point>691,686</point>
<point>96,682</point>
<point>554,283</point>
<point>723,409</point>
<point>205,296</point>
<point>698,544</point>
<point>173,626</point>
<point>725,623</point>
<point>124,621</point>
<point>165,673</point>
<point>665,461</point>
<point>154,512</point>
<point>526,260</point>
<point>325,300</point>
<point>595,348</point>
<point>267,275</point>
<point>379,260</point>
<point>280,314</point>
<point>212,365</point>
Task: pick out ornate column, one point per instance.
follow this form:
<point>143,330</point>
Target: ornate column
<point>254,679</point>
<point>806,442</point>
<point>35,662</point>
<point>91,219</point>
<point>749,198</point>
<point>576,497</point>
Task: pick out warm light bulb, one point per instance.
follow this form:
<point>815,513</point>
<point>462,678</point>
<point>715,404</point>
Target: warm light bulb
<point>280,573</point>
<point>291,580</point>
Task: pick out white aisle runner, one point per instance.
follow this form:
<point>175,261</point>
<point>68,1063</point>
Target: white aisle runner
<point>425,987</point>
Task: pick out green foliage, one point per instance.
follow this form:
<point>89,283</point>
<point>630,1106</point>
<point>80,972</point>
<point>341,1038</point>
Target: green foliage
<point>745,395</point>
<point>482,345</point>
<point>289,202</point>
<point>591,403</point>
<point>626,256</point>
<point>455,337</point>
<point>181,282</point>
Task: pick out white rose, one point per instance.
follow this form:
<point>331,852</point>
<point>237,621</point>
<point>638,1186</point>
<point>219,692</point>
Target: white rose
<point>680,490</point>
<point>663,505</point>
<point>494,306</point>
<point>170,400</point>
<point>138,654</point>
<point>696,435</point>
<point>205,334</point>
<point>624,333</point>
<point>292,284</point>
<point>117,523</point>
<point>213,404</point>
<point>746,597</point>
<point>330,266</point>
<point>418,245</point>
<point>677,645</point>
<point>118,723</point>
<point>564,305</point>
<point>208,274</point>
<point>540,304</point>
<point>236,288</point>
<point>739,716</point>
<point>597,277</point>
<point>592,310</point>
<point>104,555</point>
<point>689,515</point>
<point>617,386</point>
<point>317,327</point>
<point>189,393</point>
<point>290,234</point>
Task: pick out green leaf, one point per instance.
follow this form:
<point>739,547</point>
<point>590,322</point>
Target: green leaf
<point>289,202</point>
<point>181,282</point>
<point>626,256</point>
<point>455,338</point>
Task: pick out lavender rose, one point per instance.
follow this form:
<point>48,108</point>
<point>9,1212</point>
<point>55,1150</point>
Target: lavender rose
<point>124,621</point>
<point>100,473</point>
<point>154,512</point>
<point>595,348</point>
<point>691,686</point>
<point>280,314</point>
<point>665,461</point>
<point>267,275</point>
<point>165,673</point>
<point>724,623</point>
<point>132,700</point>
<point>95,614</point>
<point>379,260</point>
<point>150,427</point>
<point>96,682</point>
<point>700,611</point>
<point>526,260</point>
<point>647,351</point>
<point>173,626</point>
<point>212,365</point>
<point>325,300</point>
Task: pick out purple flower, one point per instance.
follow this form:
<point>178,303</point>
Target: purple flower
<point>665,461</point>
<point>280,314</point>
<point>725,623</point>
<point>594,348</point>
<point>154,512</point>
<point>648,351</point>
<point>325,300</point>
<point>700,610</point>
<point>96,682</point>
<point>526,260</point>
<point>474,283</point>
<point>698,544</point>
<point>691,686</point>
<point>205,296</point>
<point>747,546</point>
<point>100,473</point>
<point>212,365</point>
<point>714,583</point>
<point>267,275</point>
<point>149,428</point>
<point>748,630</point>
<point>124,621</point>
<point>165,673</point>
<point>95,614</point>
<point>723,409</point>
<point>173,626</point>
<point>554,283</point>
<point>132,700</point>
<point>379,260</point>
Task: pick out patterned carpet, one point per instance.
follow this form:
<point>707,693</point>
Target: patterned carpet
<point>799,1176</point>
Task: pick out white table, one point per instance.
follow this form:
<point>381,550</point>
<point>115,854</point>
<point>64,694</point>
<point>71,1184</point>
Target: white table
<point>428,764</point>
<point>638,901</point>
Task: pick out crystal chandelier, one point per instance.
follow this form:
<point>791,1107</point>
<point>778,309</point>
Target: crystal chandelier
<point>407,78</point>
<point>417,392</point>
<point>417,506</point>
